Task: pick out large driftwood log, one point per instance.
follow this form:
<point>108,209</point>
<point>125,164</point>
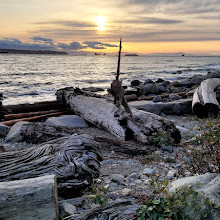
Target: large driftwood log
<point>74,160</point>
<point>204,99</point>
<point>105,115</point>
<point>34,198</point>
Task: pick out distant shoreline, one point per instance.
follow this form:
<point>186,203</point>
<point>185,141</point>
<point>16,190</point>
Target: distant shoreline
<point>15,51</point>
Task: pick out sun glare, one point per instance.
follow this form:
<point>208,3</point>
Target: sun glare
<point>101,23</point>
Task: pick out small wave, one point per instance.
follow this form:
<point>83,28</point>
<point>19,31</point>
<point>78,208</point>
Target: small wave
<point>214,66</point>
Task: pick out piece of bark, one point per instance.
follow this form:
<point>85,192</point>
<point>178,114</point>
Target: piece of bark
<point>105,115</point>
<point>40,117</point>
<point>204,99</point>
<point>37,106</point>
<point>74,160</point>
<point>27,115</point>
<point>34,198</point>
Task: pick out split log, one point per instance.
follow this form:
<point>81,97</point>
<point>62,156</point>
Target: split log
<point>34,198</point>
<point>105,115</point>
<point>37,106</point>
<point>27,115</point>
<point>12,122</point>
<point>74,161</point>
<point>204,99</point>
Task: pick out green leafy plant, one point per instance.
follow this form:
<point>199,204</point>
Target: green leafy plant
<point>204,149</point>
<point>100,199</point>
<point>159,138</point>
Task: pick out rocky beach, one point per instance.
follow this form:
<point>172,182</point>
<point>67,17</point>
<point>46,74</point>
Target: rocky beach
<point>102,173</point>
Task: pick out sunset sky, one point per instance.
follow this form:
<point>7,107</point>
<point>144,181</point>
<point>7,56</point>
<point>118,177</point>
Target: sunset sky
<point>146,26</point>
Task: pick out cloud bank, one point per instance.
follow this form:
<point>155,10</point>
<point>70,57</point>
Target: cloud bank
<point>42,43</point>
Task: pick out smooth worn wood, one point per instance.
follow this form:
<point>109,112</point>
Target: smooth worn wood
<point>37,106</point>
<point>12,122</point>
<point>204,98</point>
<point>106,115</point>
<point>26,115</point>
<point>74,160</point>
<point>34,198</point>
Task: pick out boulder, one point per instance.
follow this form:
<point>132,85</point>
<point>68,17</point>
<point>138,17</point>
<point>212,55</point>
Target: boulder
<point>135,83</point>
<point>4,129</point>
<point>178,107</point>
<point>148,81</point>
<point>208,187</point>
<point>150,89</point>
<point>33,133</point>
<point>67,121</point>
<point>215,74</point>
<point>93,89</point>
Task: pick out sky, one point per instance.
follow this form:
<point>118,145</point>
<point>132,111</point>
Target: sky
<point>146,26</point>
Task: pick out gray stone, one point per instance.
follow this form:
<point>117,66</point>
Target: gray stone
<point>208,187</point>
<point>67,121</point>
<point>93,89</point>
<point>159,80</point>
<point>148,171</point>
<point>183,131</point>
<point>16,132</point>
<point>148,81</point>
<point>69,209</point>
<point>165,83</point>
<point>133,176</point>
<point>117,178</point>
<point>4,129</point>
<point>173,97</point>
<point>126,192</point>
<point>166,148</point>
<point>214,74</point>
<point>157,99</point>
<point>150,89</point>
<point>78,201</point>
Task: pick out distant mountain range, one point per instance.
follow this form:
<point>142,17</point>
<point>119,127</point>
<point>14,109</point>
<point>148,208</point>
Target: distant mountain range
<point>15,51</point>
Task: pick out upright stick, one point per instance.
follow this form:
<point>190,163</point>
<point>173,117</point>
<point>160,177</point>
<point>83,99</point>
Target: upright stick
<point>119,58</point>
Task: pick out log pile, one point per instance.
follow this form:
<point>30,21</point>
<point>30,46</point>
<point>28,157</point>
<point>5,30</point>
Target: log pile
<point>74,161</point>
<point>204,99</point>
<point>116,121</point>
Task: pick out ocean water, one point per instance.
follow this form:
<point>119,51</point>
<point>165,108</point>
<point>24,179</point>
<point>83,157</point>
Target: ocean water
<point>31,78</point>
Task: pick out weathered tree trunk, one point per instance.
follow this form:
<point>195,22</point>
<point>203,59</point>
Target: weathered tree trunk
<point>105,115</point>
<point>74,160</point>
<point>37,106</point>
<point>34,198</point>
<point>204,99</point>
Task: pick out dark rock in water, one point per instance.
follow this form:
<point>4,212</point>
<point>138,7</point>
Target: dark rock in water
<point>124,87</point>
<point>159,80</point>
<point>131,91</point>
<point>161,88</point>
<point>179,72</point>
<point>148,81</point>
<point>173,97</point>
<point>165,83</point>
<point>93,89</point>
<point>215,74</point>
<point>157,99</point>
<point>150,89</point>
<point>194,80</point>
<point>135,83</point>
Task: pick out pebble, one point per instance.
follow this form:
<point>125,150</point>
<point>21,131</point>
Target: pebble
<point>118,178</point>
<point>166,148</point>
<point>138,181</point>
<point>112,195</point>
<point>148,171</point>
<point>69,209</point>
<point>157,99</point>
<point>126,192</point>
<point>133,176</point>
<point>188,173</point>
<point>171,173</point>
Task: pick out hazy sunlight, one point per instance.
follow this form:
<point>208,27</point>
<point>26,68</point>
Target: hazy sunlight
<point>101,23</point>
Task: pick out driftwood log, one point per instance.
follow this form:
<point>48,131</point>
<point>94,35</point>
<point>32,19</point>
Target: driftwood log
<point>106,115</point>
<point>34,198</point>
<point>204,99</point>
<point>74,160</point>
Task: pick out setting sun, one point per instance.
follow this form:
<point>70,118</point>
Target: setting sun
<point>101,23</point>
